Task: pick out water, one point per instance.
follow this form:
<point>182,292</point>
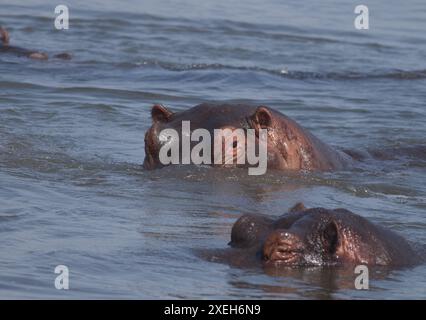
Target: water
<point>71,141</point>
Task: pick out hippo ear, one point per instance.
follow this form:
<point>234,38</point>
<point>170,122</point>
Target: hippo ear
<point>262,118</point>
<point>160,113</point>
<point>4,36</point>
<point>330,237</point>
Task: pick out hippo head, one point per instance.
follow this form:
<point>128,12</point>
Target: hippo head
<point>321,237</point>
<point>288,145</point>
<point>313,239</point>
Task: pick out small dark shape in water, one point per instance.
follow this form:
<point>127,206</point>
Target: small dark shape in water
<point>63,56</point>
<point>5,47</point>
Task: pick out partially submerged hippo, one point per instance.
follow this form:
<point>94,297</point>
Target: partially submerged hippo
<point>22,52</point>
<point>289,145</point>
<point>320,237</point>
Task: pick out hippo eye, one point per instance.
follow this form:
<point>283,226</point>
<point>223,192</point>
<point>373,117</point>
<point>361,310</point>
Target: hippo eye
<point>330,237</point>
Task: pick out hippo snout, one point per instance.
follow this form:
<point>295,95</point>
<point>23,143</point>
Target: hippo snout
<point>152,149</point>
<point>282,246</point>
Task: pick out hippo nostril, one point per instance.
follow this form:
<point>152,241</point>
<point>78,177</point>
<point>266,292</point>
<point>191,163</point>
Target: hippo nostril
<point>282,246</point>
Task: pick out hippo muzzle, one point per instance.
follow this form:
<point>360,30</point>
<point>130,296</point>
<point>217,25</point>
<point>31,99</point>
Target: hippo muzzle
<point>283,247</point>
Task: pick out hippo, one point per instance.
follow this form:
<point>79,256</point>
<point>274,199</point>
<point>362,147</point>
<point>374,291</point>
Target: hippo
<point>289,145</point>
<point>22,52</point>
<point>320,237</point>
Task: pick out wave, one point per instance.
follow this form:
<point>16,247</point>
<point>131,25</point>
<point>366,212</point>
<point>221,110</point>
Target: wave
<point>284,73</point>
<point>94,91</point>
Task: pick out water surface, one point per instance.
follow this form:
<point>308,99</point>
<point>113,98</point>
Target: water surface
<point>72,189</point>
